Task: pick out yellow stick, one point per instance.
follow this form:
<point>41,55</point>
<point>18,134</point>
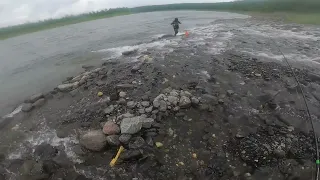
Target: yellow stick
<point>115,159</point>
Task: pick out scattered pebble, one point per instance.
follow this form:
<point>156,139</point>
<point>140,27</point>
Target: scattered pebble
<point>100,94</point>
<point>159,144</point>
<point>194,155</point>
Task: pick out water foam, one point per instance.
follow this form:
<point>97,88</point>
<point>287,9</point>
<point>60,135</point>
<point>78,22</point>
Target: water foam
<point>46,135</point>
<point>14,112</point>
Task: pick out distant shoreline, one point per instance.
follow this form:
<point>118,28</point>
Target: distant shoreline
<point>293,11</point>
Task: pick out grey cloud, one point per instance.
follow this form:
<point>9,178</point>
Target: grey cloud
<point>20,11</point>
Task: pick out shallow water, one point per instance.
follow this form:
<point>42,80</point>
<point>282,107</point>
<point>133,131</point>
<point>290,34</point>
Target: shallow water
<point>39,61</point>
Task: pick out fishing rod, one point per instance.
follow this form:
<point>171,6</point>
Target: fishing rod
<point>307,107</point>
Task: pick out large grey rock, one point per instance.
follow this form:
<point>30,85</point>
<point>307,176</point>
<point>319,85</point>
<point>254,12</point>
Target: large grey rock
<point>122,94</point>
<point>184,102</point>
<point>185,93</point>
<point>39,102</point>
<point>163,106</point>
<point>26,107</point>
<point>145,103</point>
<point>109,109</point>
<point>134,125</point>
<point>113,140</point>
<point>173,100</point>
<point>34,98</point>
<point>111,128</point>
<point>65,87</point>
<point>131,104</point>
<point>149,109</point>
<point>94,140</point>
<point>156,101</point>
<point>174,93</point>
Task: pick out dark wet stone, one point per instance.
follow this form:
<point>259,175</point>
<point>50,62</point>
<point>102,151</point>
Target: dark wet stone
<point>34,98</point>
<point>149,141</point>
<point>113,140</point>
<point>221,101</point>
<point>122,101</point>
<point>114,96</point>
<point>2,158</point>
<point>270,131</point>
<point>279,153</point>
<point>180,114</point>
<point>62,133</point>
<point>78,150</point>
<point>39,103</point>
<point>145,98</point>
<point>204,107</point>
<point>82,177</point>
<point>125,138</point>
<point>128,53</point>
<point>152,134</point>
<point>50,166</point>
<point>137,143</point>
<point>124,86</point>
<point>74,92</point>
<point>314,77</point>
<point>192,85</point>
<point>45,151</point>
<point>87,67</point>
<point>132,154</point>
<point>156,125</point>
<point>230,92</point>
<point>26,107</point>
<point>136,67</point>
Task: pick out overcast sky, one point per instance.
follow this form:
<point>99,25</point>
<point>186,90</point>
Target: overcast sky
<point>20,11</point>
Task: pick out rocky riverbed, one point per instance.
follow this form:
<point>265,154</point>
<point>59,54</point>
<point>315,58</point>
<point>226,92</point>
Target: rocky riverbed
<point>184,114</point>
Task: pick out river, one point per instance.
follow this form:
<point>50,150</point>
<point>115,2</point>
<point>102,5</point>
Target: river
<point>39,61</point>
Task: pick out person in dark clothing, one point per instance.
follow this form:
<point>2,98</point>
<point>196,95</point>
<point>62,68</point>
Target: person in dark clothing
<point>175,25</point>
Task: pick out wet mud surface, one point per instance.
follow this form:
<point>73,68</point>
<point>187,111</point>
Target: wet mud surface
<point>209,106</point>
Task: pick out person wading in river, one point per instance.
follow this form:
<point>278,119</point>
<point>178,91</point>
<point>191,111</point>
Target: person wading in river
<point>175,25</point>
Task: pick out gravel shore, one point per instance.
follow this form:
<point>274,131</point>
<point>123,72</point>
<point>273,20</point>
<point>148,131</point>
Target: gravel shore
<point>187,115</point>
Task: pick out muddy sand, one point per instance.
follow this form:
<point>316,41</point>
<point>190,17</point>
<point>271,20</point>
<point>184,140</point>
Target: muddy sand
<point>184,114</point>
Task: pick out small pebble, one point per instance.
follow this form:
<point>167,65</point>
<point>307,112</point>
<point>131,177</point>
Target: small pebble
<point>194,155</point>
<point>159,144</point>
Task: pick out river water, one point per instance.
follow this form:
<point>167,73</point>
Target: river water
<point>38,62</point>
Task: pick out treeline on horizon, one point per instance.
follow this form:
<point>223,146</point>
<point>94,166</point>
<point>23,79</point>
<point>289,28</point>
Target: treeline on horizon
<point>296,6</point>
<point>307,6</point>
<point>11,31</point>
